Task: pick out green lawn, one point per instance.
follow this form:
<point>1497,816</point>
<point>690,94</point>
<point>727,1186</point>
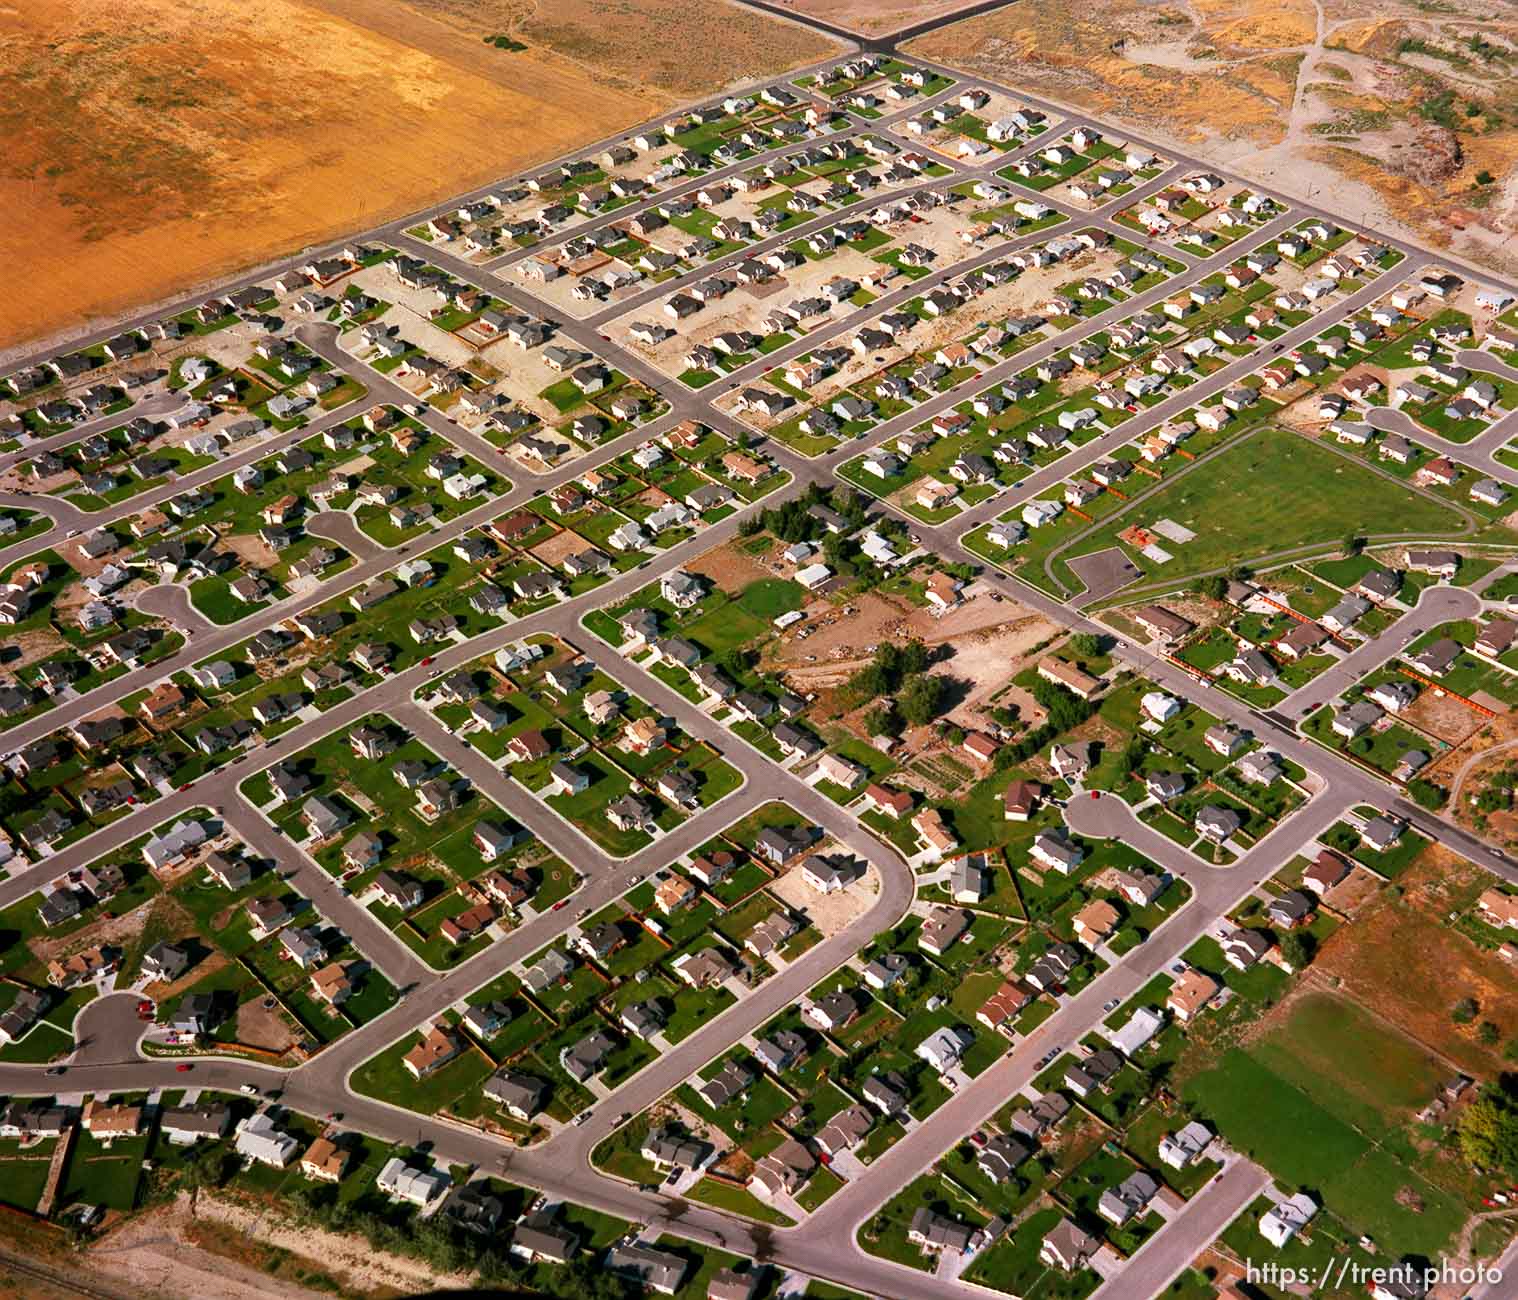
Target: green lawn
<point>1269,492</point>
<point>1315,1100</point>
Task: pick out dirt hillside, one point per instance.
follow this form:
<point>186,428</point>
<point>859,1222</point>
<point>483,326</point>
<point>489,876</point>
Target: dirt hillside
<point>151,147</point>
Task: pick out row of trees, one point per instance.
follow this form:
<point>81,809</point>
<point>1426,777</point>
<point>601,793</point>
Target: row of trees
<point>791,521</point>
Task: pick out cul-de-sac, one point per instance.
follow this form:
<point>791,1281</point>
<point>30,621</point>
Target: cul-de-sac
<point>744,651</point>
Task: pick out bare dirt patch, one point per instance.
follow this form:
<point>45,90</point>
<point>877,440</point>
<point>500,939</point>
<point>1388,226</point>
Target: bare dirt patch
<point>1404,961</point>
<point>1399,113</point>
<point>248,1252</point>
<point>1484,762</point>
<point>1353,892</point>
<point>1442,716</point>
<point>1080,55</point>
<point>829,913</point>
<point>251,550</point>
<point>877,17</point>
<point>729,568</point>
<point>34,646</point>
<point>560,547</point>
<point>982,632</point>
<point>258,1027</point>
<point>984,660</point>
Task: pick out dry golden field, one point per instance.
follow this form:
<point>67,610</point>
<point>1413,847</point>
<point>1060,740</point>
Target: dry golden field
<point>154,146</point>
<point>876,17</point>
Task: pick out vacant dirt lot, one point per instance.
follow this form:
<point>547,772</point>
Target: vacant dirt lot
<point>258,1027</point>
<point>1351,894</point>
<point>1441,716</point>
<point>240,1252</point>
<point>154,146</point>
<point>1398,949</point>
<point>987,638</point>
<point>829,913</point>
<point>729,568</point>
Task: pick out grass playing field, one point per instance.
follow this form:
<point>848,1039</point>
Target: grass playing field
<point>1269,493</point>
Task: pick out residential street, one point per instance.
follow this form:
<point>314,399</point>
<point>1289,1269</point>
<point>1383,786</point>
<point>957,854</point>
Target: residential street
<point>826,1243</point>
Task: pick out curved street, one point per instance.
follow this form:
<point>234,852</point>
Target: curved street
<point>825,1245</point>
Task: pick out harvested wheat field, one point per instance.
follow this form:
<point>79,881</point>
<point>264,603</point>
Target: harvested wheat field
<point>156,146</point>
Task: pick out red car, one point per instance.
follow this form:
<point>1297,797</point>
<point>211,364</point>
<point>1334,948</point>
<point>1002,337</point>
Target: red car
<point>184,1067</point>
<point>563,902</point>
<point>426,661</point>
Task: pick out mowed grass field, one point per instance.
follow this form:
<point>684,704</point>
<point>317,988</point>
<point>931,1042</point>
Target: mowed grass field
<point>1271,492</point>
<point>1321,1099</point>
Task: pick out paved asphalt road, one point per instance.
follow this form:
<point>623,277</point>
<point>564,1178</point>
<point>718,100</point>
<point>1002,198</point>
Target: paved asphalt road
<point>1435,605</point>
<point>825,1244</point>
<point>1162,1258</point>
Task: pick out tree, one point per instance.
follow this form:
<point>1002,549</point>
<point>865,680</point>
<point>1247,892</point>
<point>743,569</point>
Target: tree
<point>1464,1011</point>
<point>1214,588</point>
<point>1426,794</point>
<point>1488,1034</point>
<point>1086,645</point>
<point>1495,798</point>
<point>201,1172</point>
<point>882,721</point>
<point>921,699</point>
<point>1297,948</point>
<point>870,682</point>
<point>585,1280</point>
<point>1065,709</point>
<point>913,658</point>
<point>1353,544</point>
<point>1488,1131</point>
<point>734,661</point>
